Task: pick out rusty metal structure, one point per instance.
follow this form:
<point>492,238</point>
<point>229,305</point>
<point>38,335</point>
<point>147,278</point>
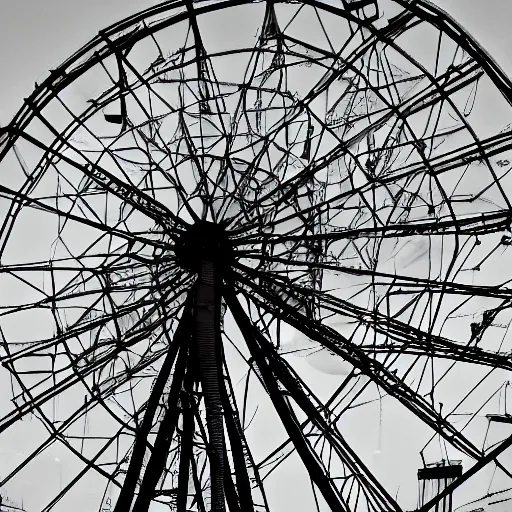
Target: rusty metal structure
<point>207,191</point>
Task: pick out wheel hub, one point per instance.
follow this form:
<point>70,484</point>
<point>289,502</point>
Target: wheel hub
<point>204,241</point>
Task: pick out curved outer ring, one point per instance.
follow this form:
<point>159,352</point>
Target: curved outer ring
<point>71,69</point>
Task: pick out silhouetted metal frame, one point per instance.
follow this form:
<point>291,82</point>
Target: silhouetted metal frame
<point>183,398</point>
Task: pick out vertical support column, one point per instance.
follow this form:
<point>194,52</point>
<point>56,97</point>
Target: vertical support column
<point>206,337</point>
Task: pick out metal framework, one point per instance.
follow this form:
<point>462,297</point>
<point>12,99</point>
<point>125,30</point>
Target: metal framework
<point>209,190</point>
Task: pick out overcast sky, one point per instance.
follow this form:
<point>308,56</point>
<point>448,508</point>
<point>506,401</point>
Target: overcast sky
<point>38,35</point>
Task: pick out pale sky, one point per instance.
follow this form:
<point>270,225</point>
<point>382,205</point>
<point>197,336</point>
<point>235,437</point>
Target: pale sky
<point>38,35</point>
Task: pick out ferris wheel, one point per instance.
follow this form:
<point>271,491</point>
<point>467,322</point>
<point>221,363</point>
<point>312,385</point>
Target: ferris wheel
<point>254,256</point>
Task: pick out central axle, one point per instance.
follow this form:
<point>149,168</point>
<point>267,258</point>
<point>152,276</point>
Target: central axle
<point>204,241</point>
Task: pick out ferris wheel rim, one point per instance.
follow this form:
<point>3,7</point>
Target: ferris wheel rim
<point>55,83</point>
